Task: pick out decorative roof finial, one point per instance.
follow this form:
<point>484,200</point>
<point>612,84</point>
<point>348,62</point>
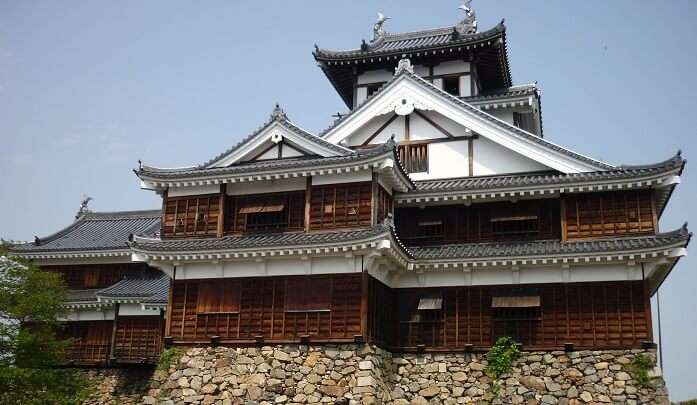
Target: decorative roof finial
<point>469,24</point>
<point>404,65</point>
<point>378,29</point>
<point>83,206</point>
<point>278,113</point>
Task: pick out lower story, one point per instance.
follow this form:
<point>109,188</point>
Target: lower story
<point>342,308</point>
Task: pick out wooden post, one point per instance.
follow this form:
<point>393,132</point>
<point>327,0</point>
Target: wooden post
<point>221,211</point>
<point>562,214</point>
<point>112,344</point>
<point>308,194</point>
<point>374,200</point>
<point>470,155</point>
<point>364,304</point>
<point>170,297</point>
<point>164,215</point>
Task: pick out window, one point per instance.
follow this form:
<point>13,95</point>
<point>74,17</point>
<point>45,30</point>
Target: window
<point>451,84</point>
<point>276,212</point>
<point>218,297</point>
<point>414,157</point>
<point>308,294</point>
<point>520,226</point>
<point>373,88</point>
<point>516,316</point>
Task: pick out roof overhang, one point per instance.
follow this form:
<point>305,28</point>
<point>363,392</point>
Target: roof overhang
<point>109,255</point>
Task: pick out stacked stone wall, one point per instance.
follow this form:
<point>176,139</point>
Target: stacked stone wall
<point>364,374</point>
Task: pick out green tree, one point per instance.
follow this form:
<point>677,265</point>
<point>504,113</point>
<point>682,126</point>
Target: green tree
<point>31,301</point>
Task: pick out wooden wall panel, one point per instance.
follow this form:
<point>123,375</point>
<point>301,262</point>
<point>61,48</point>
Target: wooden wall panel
<point>86,276</point>
<point>138,339</point>
<point>606,214</point>
<point>384,204</point>
<point>341,206</point>
<point>91,341</point>
<point>264,311</point>
<point>589,315</point>
<point>485,222</point>
<point>191,216</point>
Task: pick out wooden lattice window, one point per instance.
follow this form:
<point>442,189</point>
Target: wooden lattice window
<point>303,295</point>
<point>414,157</point>
<point>516,316</point>
<point>191,216</point>
<point>341,206</point>
<point>384,204</point>
<point>216,296</point>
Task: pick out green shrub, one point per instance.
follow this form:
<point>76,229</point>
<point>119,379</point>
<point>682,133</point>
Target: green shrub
<point>639,369</point>
<point>500,360</point>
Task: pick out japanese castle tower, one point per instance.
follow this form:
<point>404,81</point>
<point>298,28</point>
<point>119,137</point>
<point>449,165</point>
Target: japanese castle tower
<point>435,216</point>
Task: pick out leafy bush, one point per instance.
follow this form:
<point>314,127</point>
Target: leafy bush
<point>640,367</point>
<point>168,357</point>
<point>500,360</point>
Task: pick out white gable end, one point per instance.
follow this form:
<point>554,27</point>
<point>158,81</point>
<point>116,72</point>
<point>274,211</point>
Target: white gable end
<point>407,94</point>
<point>265,145</point>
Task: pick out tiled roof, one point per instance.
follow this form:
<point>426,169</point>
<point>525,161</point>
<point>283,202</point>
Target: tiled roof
<point>269,165</point>
<point>282,119</point>
<point>513,91</point>
<point>96,231</point>
<point>142,288</point>
<point>545,178</point>
<point>550,247</point>
<point>77,296</point>
<point>411,41</point>
<point>259,240</point>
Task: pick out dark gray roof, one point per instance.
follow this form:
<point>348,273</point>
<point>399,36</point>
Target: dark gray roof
<point>259,240</point>
<point>546,178</point>
<point>476,111</point>
<point>513,91</point>
<point>278,116</point>
<point>96,231</point>
<point>411,41</point>
<point>550,247</point>
<point>274,165</point>
<point>142,288</point>
<point>78,296</point>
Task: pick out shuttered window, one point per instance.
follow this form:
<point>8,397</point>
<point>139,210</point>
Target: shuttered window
<point>308,294</point>
<point>219,296</point>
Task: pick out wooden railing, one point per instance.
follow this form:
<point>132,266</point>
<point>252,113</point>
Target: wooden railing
<point>87,353</point>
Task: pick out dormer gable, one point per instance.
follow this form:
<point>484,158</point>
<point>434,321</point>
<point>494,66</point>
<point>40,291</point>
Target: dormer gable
<point>277,138</point>
<point>406,94</point>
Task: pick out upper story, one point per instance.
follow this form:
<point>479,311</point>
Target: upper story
<point>463,185</point>
<point>459,60</point>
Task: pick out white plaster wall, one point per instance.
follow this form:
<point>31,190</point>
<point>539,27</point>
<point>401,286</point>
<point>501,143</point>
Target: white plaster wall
<point>451,67</point>
<point>420,129</point>
<point>193,190</point>
<point>290,152</point>
<point>270,267</point>
<point>465,86</point>
<point>90,315</point>
<point>361,94</point>
<point>353,177</point>
<point>136,310</point>
<point>492,158</point>
<point>375,76</point>
<point>446,160</point>
<point>266,186</point>
<point>396,127</point>
<point>269,154</point>
<point>504,114</point>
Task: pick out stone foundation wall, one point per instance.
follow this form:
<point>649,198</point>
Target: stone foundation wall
<point>363,374</point>
<point>117,386</point>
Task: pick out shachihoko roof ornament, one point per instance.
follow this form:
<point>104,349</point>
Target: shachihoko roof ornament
<point>469,24</point>
<point>378,27</point>
<point>83,206</point>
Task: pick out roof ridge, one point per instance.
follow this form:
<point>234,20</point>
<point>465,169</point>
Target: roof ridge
<point>108,215</point>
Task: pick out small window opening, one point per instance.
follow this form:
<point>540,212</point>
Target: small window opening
<point>451,85</point>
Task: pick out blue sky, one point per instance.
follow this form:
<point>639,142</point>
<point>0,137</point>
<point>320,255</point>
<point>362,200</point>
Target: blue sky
<point>88,88</point>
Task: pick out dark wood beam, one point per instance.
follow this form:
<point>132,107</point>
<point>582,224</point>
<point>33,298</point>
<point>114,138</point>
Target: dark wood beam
<point>434,124</point>
<point>382,127</point>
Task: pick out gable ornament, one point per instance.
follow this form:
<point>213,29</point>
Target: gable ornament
<point>378,27</point>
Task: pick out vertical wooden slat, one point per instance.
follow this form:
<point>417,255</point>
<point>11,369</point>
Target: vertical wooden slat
<point>364,303</point>
<point>470,151</point>
<point>221,211</point>
<point>308,202</point>
<point>112,341</point>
